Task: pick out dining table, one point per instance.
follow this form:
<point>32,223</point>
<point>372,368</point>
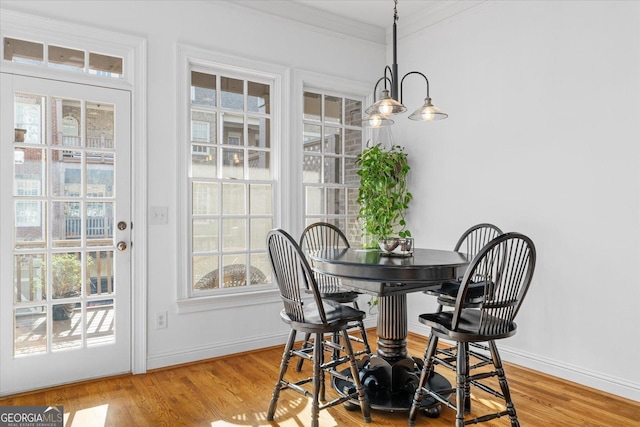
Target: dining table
<point>390,376</point>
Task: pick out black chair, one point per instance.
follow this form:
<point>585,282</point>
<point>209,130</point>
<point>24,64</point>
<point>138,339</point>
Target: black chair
<point>322,235</point>
<point>320,317</point>
<point>471,242</point>
<point>505,266</point>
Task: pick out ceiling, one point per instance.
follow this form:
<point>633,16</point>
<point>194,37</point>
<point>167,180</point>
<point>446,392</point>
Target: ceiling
<point>370,20</point>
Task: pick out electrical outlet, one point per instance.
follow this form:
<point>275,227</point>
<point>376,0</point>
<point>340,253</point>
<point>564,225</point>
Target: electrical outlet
<point>161,320</point>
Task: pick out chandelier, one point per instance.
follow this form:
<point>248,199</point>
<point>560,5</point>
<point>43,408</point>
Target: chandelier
<point>378,113</point>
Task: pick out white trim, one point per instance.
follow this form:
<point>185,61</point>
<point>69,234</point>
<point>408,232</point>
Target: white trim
<point>566,371</point>
<point>186,58</point>
<point>133,50</point>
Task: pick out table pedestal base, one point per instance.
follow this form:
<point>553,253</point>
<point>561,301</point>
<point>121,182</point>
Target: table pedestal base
<point>391,387</point>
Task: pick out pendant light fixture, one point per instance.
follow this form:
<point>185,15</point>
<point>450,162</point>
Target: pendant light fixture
<point>378,113</point>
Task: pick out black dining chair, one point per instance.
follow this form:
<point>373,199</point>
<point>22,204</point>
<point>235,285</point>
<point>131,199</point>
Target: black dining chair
<point>319,317</point>
<point>323,235</point>
<point>470,242</point>
<point>505,268</point>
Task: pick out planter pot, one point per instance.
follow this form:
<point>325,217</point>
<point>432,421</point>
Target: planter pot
<point>64,311</point>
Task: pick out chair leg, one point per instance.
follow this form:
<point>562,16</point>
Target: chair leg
<point>305,344</point>
<point>504,385</point>
<point>364,405</point>
<point>462,371</point>
<point>317,380</point>
<point>424,375</point>
<point>283,369</point>
<point>363,331</point>
<point>467,384</point>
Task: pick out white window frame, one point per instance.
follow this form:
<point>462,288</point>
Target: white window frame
<point>308,81</point>
<point>191,58</point>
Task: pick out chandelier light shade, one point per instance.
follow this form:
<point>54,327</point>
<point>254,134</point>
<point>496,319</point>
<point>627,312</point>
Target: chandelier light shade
<point>377,114</point>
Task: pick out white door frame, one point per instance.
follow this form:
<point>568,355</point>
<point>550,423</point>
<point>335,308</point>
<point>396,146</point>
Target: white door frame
<point>133,50</point>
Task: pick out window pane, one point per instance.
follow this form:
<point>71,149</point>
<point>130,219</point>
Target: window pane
<point>205,235</point>
<point>205,198</point>
<point>233,198</point>
<point>231,93</point>
<point>205,272</point>
<point>259,229</point>
<point>258,99</point>
<point>259,132</point>
<point>203,126</point>
<point>332,170</point>
<point>235,271</point>
<point>335,201</point>
<point>68,59</point>
<point>312,106</point>
<point>260,269</point>
<point>260,197</point>
<point>311,169</point>
<point>352,112</point>
<point>315,201</point>
<point>311,138</point>
<point>332,109</point>
<point>259,165</point>
<point>203,89</point>
<point>351,171</point>
<point>106,63</point>
<point>332,140</point>
<point>204,162</point>
<point>234,236</point>
<point>352,142</point>
<point>232,129</point>
<point>232,163</point>
<point>23,51</point>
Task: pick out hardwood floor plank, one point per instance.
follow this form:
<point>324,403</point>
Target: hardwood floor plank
<point>236,390</point>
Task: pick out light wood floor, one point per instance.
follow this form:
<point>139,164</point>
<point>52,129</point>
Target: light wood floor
<point>235,391</point>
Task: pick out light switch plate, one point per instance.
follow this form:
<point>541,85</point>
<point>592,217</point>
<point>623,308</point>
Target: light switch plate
<point>158,215</point>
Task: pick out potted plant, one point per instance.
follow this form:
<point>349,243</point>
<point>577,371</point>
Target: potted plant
<point>66,280</point>
<point>384,196</point>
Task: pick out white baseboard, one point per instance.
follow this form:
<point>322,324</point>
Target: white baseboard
<point>193,354</point>
<point>603,382</point>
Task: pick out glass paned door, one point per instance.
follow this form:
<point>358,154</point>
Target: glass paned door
<point>65,233</point>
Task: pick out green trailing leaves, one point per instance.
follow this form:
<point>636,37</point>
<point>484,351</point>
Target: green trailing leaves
<point>383,196</point>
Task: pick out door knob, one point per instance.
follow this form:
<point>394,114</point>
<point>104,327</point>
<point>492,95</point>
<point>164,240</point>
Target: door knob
<point>122,246</point>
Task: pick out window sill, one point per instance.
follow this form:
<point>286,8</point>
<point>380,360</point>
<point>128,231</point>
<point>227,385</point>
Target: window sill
<point>232,300</point>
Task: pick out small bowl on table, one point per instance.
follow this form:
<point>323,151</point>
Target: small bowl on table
<point>396,246</point>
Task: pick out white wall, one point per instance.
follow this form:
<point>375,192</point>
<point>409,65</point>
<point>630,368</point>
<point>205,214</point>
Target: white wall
<point>543,138</point>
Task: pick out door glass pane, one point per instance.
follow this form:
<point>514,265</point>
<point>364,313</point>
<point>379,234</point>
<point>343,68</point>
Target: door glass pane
<point>67,122</point>
<point>67,326</point>
<point>100,174</point>
<point>29,118</point>
<point>66,224</point>
<point>100,324</point>
<point>100,125</point>
<point>29,278</point>
<point>30,335</point>
<point>30,172</point>
<point>100,273</point>
<point>66,173</point>
<point>99,223</point>
<point>30,224</point>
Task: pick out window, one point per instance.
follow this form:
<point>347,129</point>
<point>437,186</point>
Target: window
<point>231,181</point>
<point>332,139</point>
